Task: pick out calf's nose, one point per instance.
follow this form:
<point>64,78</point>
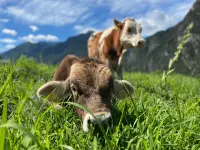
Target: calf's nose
<point>105,119</point>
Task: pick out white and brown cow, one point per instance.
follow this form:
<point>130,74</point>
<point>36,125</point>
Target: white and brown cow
<point>90,83</point>
<point>110,45</point>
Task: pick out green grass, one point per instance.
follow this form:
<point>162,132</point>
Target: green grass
<point>157,117</point>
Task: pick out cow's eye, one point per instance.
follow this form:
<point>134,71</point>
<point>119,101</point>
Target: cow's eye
<point>129,30</point>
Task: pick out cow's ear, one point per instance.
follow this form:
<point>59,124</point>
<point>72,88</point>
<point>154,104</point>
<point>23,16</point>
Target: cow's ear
<point>122,89</point>
<point>56,90</point>
<point>64,69</point>
<point>118,24</point>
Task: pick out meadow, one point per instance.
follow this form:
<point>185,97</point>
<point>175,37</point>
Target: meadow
<point>157,116</point>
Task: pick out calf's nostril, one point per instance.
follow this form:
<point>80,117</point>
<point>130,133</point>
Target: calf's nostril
<point>107,121</point>
<point>104,118</point>
<point>89,121</point>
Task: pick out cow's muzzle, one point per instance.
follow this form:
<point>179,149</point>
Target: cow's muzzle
<point>141,43</point>
<point>104,118</point>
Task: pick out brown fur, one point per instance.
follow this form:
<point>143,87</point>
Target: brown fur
<point>111,50</point>
<point>89,82</point>
<point>93,43</point>
<point>92,79</point>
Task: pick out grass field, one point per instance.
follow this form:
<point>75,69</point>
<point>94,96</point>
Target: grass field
<point>156,117</point>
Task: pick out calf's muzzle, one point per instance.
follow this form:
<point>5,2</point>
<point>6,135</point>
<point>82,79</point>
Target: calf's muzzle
<point>104,118</point>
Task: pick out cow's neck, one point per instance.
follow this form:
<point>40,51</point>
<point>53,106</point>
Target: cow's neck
<point>117,45</point>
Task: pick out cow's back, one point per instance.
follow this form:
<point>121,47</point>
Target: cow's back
<point>93,45</point>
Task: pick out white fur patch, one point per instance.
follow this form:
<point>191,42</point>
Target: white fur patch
<point>121,57</point>
<point>130,40</point>
<point>101,47</point>
<point>92,37</point>
<point>128,18</point>
<point>86,127</point>
<point>103,36</point>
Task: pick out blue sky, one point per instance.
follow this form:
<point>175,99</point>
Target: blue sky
<point>56,20</point>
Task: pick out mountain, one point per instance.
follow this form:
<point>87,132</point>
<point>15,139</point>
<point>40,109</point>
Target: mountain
<point>28,49</point>
<point>76,45</point>
<point>51,52</point>
<point>161,46</point>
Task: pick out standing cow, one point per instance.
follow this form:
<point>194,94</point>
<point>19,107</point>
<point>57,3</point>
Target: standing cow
<point>110,45</point>
<point>90,83</point>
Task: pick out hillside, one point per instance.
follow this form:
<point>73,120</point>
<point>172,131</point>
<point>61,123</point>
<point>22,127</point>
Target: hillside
<point>51,52</point>
<point>162,46</point>
<point>28,49</point>
<point>76,45</point>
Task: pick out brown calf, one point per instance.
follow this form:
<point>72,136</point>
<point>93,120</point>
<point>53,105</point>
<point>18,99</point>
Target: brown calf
<point>91,84</point>
<point>110,45</point>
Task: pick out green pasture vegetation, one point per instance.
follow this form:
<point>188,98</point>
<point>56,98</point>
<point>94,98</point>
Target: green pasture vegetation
<point>157,116</point>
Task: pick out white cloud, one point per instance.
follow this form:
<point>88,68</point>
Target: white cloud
<point>133,7</point>
<point>59,12</point>
<point>33,28</point>
<point>126,7</point>
<point>9,46</point>
<point>3,20</point>
<point>6,48</point>
<point>9,31</point>
<point>7,40</point>
<point>86,16</point>
<point>155,15</point>
<point>156,20</point>
<point>39,38</point>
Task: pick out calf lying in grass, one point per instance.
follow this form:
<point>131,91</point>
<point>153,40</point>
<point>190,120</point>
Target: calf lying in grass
<point>90,83</point>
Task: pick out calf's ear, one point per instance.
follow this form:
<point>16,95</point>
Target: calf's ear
<point>55,90</point>
<point>122,89</point>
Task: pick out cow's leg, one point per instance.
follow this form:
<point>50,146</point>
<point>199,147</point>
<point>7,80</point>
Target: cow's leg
<point>114,73</point>
<point>112,70</point>
<point>108,62</point>
<point>120,72</point>
<point>120,65</point>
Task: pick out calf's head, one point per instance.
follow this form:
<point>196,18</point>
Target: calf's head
<point>91,84</point>
<point>131,33</point>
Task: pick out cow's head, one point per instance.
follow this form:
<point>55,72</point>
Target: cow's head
<point>131,33</point>
<point>91,84</point>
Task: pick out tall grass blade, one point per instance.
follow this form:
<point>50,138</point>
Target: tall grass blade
<point>4,118</point>
<point>66,147</point>
<point>95,143</point>
<point>23,130</point>
<point>4,114</point>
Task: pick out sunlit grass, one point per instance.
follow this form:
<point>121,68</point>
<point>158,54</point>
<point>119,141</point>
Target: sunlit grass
<point>157,117</point>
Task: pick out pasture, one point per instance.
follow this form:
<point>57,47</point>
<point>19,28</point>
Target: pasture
<point>155,117</point>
